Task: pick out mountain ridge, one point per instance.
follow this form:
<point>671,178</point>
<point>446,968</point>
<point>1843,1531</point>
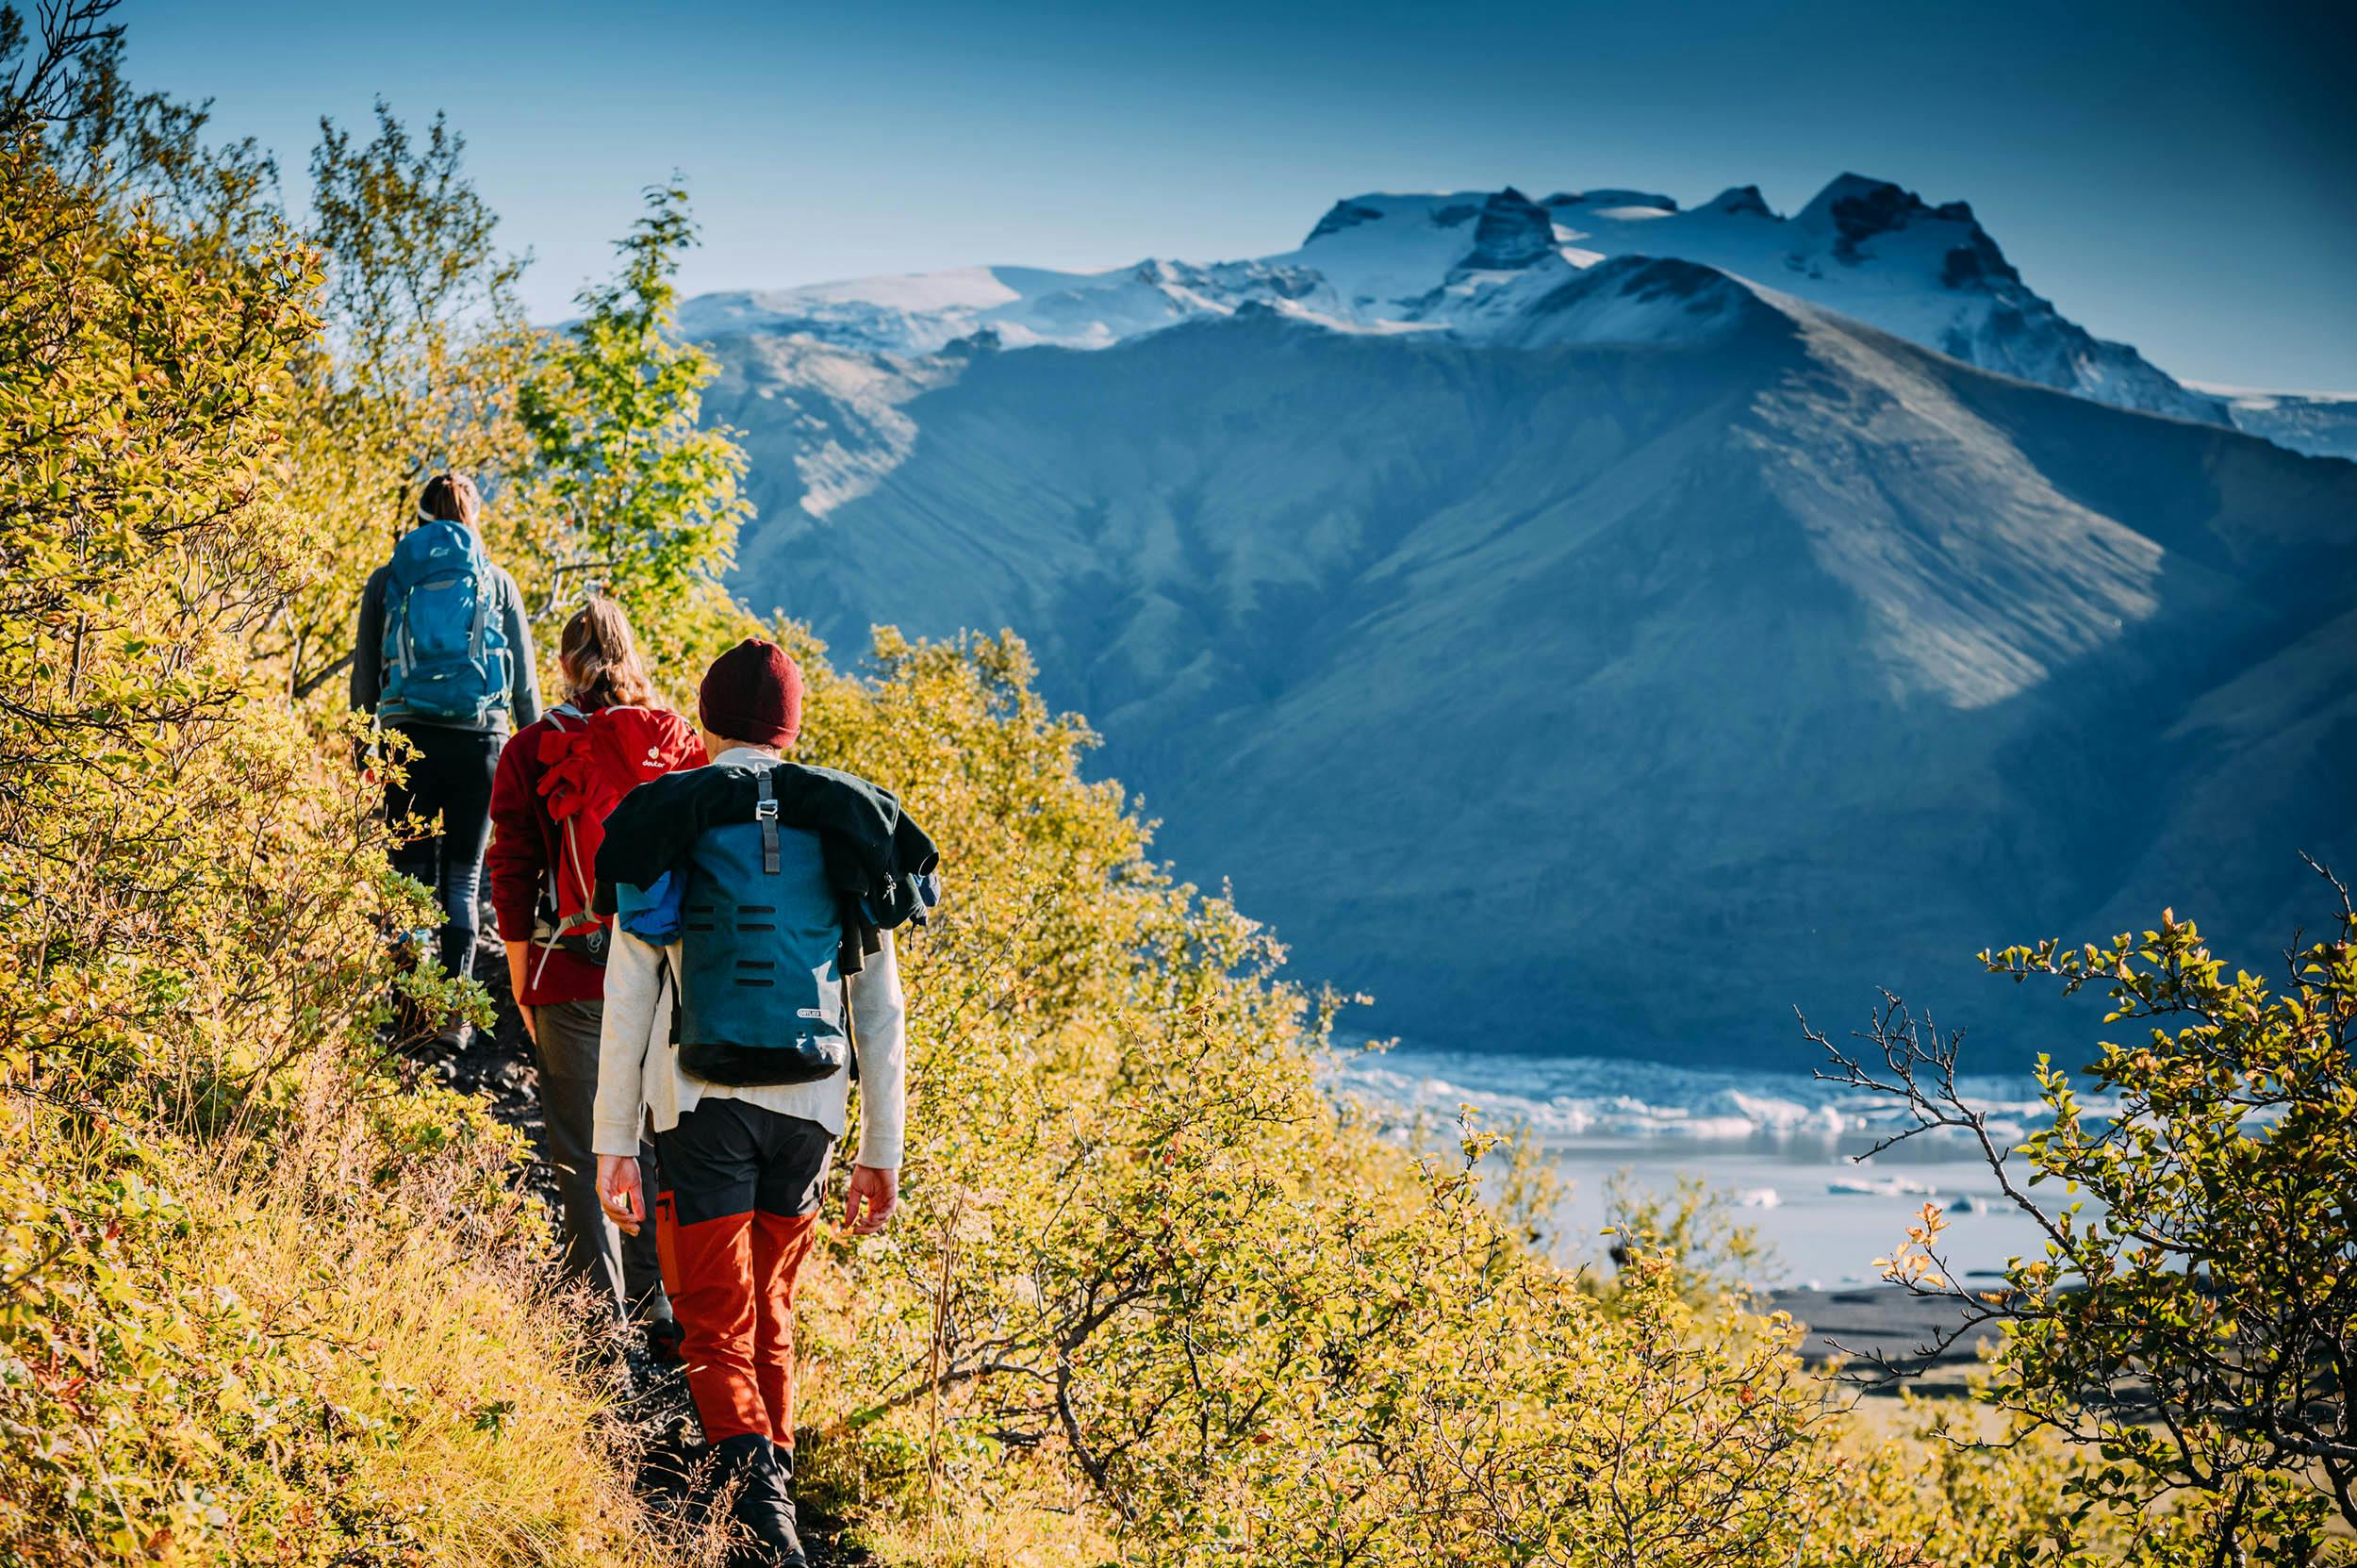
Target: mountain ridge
<point>1465,261</point>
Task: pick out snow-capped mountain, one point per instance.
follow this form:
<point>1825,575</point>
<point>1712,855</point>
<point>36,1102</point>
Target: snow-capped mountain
<point>1862,247</point>
<point>1609,673</point>
<point>1496,267</point>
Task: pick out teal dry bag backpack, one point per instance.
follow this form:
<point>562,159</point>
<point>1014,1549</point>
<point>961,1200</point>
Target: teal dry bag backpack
<point>446,654</point>
<point>761,999</point>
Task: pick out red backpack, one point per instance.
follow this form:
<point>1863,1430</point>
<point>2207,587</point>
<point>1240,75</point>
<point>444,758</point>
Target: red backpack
<point>588,762</point>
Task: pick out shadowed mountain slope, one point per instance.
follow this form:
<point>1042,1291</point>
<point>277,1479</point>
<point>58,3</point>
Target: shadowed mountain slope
<point>1617,692</point>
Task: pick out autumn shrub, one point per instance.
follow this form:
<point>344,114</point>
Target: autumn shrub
<point>252,1288</point>
<point>2189,1316</point>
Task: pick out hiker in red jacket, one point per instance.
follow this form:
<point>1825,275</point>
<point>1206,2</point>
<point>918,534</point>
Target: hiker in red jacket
<point>557,780</point>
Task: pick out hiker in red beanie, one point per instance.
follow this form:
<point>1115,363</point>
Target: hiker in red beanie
<point>748,979</point>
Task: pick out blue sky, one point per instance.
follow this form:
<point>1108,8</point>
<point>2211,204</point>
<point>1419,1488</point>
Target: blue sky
<point>2183,177</point>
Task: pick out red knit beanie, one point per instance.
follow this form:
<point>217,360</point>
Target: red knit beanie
<point>753,692</point>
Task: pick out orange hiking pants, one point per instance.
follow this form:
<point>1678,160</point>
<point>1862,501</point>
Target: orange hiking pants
<point>736,1216</point>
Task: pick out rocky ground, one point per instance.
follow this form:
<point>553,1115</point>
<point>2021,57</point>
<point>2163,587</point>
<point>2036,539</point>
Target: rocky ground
<point>651,1408</point>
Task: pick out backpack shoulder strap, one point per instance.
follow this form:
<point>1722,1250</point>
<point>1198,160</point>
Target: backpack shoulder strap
<point>850,1026</point>
<point>663,993</point>
<point>766,813</point>
<point>483,588</point>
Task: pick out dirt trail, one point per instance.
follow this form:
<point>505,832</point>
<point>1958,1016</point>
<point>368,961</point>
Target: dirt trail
<point>657,1421</point>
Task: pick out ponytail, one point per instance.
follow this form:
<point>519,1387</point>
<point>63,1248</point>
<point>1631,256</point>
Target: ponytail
<point>450,498</point>
<point>601,658</point>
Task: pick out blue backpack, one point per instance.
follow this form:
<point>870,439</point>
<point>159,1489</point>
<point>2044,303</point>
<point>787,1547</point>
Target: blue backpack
<point>446,653</point>
<point>761,998</point>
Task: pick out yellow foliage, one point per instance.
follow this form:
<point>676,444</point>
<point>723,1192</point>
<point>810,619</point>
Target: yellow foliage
<point>252,1294</point>
<point>344,1357</point>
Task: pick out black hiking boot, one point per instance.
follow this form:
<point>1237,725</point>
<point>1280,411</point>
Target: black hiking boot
<point>662,1337</point>
<point>763,1509</point>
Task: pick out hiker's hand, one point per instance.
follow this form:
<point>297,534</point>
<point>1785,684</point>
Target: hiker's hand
<point>868,1201</point>
<point>517,963</point>
<point>621,1191</point>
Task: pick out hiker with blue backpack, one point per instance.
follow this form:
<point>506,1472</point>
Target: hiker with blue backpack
<point>751,977</point>
<point>444,659</point>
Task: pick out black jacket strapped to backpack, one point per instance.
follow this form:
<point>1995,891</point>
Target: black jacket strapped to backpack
<point>879,865</point>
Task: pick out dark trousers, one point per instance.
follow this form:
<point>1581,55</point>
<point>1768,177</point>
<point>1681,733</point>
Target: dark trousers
<point>735,1217</point>
<point>624,1269</point>
<point>449,787</point>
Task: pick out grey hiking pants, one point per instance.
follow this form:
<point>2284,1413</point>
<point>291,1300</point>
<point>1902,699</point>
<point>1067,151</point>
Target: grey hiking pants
<point>623,1268</point>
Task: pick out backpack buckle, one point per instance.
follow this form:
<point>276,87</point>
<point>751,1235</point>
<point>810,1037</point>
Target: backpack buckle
<point>765,811</point>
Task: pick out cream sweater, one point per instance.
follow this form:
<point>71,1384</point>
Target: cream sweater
<point>639,1072</point>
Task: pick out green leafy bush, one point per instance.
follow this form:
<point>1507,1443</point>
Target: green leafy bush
<point>2191,1315</point>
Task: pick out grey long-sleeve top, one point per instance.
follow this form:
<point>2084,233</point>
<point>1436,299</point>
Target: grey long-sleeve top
<point>367,659</point>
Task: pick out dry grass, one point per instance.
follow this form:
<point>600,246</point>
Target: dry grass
<point>459,1393</point>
